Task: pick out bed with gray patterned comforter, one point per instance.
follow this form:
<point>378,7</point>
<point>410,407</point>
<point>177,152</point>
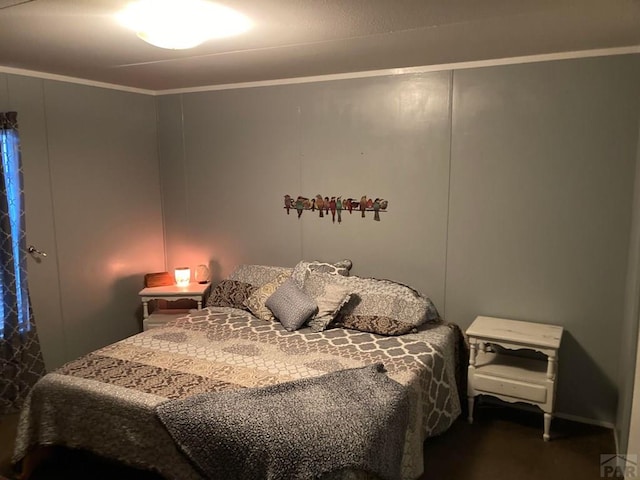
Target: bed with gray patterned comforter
<point>105,402</point>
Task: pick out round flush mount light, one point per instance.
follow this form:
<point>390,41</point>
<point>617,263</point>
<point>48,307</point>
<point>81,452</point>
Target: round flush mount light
<point>181,24</point>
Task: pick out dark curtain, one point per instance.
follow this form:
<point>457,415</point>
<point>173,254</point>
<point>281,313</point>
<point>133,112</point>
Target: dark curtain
<point>21,363</point>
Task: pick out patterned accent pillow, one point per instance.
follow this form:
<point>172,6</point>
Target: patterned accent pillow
<point>372,324</point>
<point>291,305</point>
<point>256,303</point>
<point>303,268</point>
<point>230,293</point>
<point>328,296</point>
<point>382,303</point>
<point>257,275</point>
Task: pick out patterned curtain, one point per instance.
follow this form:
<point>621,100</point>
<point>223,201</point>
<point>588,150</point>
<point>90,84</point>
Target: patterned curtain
<point>21,362</point>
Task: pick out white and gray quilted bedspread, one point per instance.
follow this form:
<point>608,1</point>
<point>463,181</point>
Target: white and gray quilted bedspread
<point>105,401</point>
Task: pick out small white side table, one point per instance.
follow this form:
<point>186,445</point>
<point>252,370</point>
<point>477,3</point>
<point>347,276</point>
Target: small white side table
<point>193,291</point>
<point>509,377</point>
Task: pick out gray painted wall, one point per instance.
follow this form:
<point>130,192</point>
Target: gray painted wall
<point>543,159</point>
<point>629,337</point>
<point>245,149</point>
<point>510,192</point>
<point>93,203</point>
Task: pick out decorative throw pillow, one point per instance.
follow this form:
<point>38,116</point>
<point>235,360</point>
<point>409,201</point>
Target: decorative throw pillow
<point>329,297</point>
<point>230,293</point>
<point>257,275</point>
<point>303,268</point>
<point>256,303</point>
<point>291,305</point>
<point>377,304</point>
<point>372,324</point>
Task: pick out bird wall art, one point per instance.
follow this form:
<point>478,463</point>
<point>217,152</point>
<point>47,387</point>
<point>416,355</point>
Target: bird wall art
<point>334,207</point>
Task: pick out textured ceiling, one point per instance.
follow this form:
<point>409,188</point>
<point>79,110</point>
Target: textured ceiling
<point>296,38</point>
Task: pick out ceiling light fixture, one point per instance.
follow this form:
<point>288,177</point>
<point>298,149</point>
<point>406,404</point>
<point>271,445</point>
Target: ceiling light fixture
<point>180,24</point>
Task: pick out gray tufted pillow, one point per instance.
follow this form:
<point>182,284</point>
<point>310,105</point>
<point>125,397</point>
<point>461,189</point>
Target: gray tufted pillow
<point>256,302</point>
<point>291,305</point>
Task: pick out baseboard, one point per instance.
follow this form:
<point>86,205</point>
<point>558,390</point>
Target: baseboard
<point>589,421</point>
<point>564,416</point>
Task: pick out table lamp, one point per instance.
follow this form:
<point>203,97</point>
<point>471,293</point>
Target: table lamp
<point>182,276</point>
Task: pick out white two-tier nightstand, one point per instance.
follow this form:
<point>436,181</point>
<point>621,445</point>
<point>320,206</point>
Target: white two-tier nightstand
<point>193,291</point>
<point>513,378</point>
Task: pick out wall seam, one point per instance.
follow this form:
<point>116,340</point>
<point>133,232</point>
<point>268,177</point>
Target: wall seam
<point>300,163</point>
<point>162,201</point>
<point>53,219</point>
<point>6,81</point>
<point>446,233</point>
<point>184,164</point>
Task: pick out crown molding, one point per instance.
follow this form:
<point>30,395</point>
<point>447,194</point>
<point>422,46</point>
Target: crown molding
<point>80,81</point>
<point>547,57</point>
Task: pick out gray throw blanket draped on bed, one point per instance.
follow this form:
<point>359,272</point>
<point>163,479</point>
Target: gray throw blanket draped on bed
<point>355,418</point>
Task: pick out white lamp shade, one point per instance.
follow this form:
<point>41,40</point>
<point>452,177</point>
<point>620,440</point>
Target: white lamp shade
<point>202,274</point>
<point>183,276</point>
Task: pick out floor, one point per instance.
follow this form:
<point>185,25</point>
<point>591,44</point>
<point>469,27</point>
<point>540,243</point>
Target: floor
<point>8,425</point>
<point>503,443</point>
<point>506,443</point>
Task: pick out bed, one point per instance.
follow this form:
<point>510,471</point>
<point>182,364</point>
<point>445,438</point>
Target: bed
<point>107,401</point>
